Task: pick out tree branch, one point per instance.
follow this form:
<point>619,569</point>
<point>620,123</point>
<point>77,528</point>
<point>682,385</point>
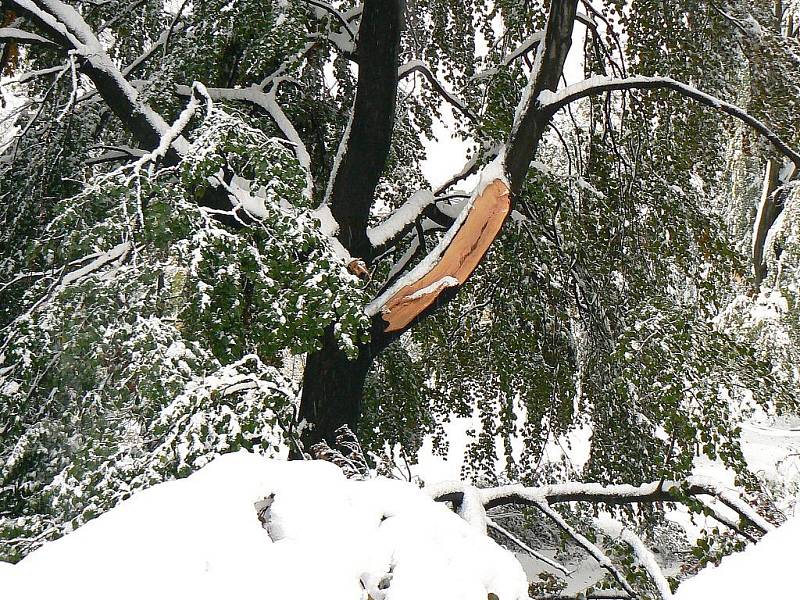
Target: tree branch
<point>602,559</point>
<point>364,148</point>
<point>12,34</point>
<point>667,491</point>
<point>530,121</point>
<point>417,66</point>
<point>336,14</point>
<point>537,555</point>
<point>551,102</point>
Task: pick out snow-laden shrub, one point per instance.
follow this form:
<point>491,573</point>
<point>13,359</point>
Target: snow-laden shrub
<point>151,338</point>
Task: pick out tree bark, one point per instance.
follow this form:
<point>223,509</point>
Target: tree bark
<point>333,385</point>
<point>366,145</point>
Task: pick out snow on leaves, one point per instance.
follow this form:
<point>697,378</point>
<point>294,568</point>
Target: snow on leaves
<point>153,341</point>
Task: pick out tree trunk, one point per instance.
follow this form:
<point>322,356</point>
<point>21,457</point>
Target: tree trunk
<point>333,386</point>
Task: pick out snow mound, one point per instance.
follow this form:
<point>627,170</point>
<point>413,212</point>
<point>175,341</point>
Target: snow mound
<point>767,569</point>
<point>246,526</point>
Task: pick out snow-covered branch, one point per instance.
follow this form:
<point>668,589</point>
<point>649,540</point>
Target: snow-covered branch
<point>544,497</point>
<point>267,101</point>
<point>616,530</point>
<point>12,34</point>
<point>65,24</point>
<point>553,101</point>
<point>417,66</point>
<point>401,218</point>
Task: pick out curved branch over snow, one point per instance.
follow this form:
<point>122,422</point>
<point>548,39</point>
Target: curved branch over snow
<point>544,497</point>
<point>553,101</point>
<point>618,495</point>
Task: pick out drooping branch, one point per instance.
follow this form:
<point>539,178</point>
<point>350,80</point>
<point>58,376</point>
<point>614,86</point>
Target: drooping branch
<point>523,48</point>
<point>543,498</point>
<point>616,530</point>
<point>417,66</point>
<point>364,148</point>
<point>593,86</point>
<point>519,543</point>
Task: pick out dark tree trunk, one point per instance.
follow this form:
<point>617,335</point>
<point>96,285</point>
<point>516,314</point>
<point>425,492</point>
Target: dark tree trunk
<point>333,385</point>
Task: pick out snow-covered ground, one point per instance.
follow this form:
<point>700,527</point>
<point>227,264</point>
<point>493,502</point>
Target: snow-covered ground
<point>248,527</point>
<point>765,570</point>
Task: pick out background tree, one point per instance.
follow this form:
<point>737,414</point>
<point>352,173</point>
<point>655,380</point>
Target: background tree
<point>188,190</point>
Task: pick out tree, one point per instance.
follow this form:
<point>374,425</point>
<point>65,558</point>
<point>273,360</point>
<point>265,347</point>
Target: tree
<point>193,192</point>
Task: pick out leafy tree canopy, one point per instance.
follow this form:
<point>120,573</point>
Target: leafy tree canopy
<point>187,186</point>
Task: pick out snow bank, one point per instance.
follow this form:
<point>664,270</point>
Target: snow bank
<point>767,569</point>
<point>324,537</point>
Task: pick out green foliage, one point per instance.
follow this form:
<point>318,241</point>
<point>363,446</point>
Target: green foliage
<point>142,337</point>
<point>597,309</point>
<point>152,338</point>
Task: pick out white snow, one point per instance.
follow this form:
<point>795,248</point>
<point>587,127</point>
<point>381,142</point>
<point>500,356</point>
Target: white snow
<point>440,284</point>
<point>406,214</point>
<point>325,537</point>
<point>766,570</point>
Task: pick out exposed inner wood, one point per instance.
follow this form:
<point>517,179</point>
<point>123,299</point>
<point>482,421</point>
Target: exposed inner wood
<point>459,260</point>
